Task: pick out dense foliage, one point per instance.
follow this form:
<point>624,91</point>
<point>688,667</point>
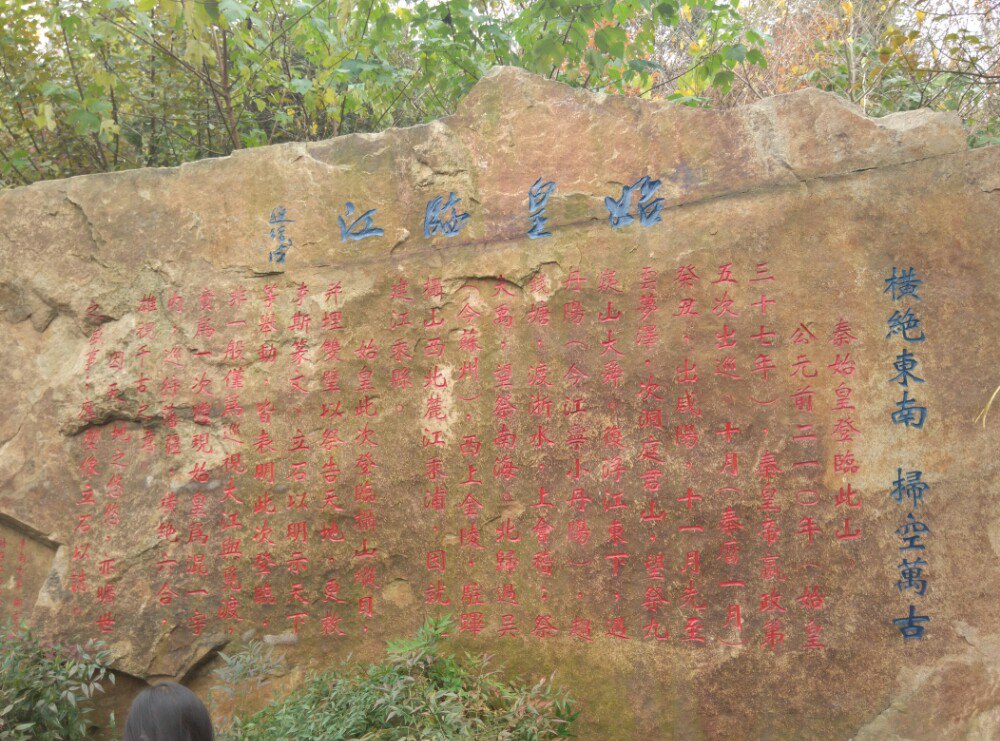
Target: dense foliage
<point>421,692</point>
<point>45,687</point>
<point>887,56</point>
<point>97,85</point>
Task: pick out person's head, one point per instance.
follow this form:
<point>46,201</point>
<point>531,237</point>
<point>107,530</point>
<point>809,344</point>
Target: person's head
<point>168,712</point>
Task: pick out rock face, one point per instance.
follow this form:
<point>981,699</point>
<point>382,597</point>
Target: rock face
<point>678,404</point>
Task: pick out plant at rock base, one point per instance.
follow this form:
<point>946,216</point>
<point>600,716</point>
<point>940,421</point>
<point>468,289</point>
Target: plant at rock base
<point>420,691</point>
<point>244,672</point>
<point>45,687</point>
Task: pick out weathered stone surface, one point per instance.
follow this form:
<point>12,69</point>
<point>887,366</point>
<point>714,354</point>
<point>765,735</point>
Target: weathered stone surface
<point>831,201</point>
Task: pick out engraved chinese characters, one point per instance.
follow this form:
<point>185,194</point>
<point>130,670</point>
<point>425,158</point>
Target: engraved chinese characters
<point>594,453</point>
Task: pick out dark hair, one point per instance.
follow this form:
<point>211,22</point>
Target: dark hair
<point>168,712</point>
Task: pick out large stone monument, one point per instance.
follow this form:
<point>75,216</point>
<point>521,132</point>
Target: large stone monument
<point>687,406</point>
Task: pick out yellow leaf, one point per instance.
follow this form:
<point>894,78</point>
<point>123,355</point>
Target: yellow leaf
<point>173,8</point>
<point>197,51</point>
<point>848,8</point>
<point>921,14</point>
<point>109,127</point>
<point>344,12</point>
<point>686,12</point>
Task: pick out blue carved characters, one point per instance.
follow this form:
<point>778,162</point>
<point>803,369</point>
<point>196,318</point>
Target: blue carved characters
<point>905,325</point>
<point>362,227</point>
<point>910,486</point>
<point>442,217</point>
<point>911,533</point>
<point>538,199</point>
<point>902,283</point>
<point>911,575</point>
<point>649,208</point>
<point>904,365</point>
<point>282,242</point>
<point>909,413</point>
<point>910,626</point>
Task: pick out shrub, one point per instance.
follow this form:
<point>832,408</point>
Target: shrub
<point>418,692</point>
<point>244,673</point>
<point>45,687</point>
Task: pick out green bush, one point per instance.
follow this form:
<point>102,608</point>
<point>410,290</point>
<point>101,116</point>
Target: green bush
<point>418,692</point>
<point>45,687</point>
<point>245,672</point>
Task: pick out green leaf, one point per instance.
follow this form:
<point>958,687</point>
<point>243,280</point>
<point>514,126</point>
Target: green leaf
<point>549,51</point>
<point>211,8</point>
<point>668,12</point>
<point>71,24</point>
<point>723,80</point>
<point>645,65</point>
<point>85,122</point>
<point>611,40</point>
<point>579,36</point>
<point>98,106</point>
<point>754,56</point>
<point>736,53</point>
<point>233,10</point>
<point>354,67</point>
